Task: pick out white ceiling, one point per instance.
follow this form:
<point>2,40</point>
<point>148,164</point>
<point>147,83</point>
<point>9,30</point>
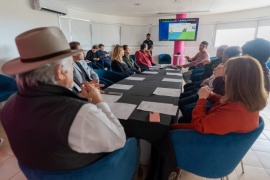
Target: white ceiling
<point>153,7</point>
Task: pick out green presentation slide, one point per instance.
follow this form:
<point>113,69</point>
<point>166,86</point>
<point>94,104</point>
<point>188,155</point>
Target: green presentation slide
<point>187,35</point>
<point>184,31</point>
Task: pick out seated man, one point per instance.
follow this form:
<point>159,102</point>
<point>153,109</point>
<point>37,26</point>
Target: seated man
<point>208,69</point>
<point>93,57</point>
<point>51,128</point>
<point>104,56</point>
<point>82,72</point>
<point>210,66</point>
<point>197,61</point>
<point>144,58</point>
<point>129,61</point>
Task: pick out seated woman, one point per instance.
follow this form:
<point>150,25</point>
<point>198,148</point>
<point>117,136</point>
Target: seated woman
<point>238,110</point>
<point>190,99</point>
<point>118,64</point>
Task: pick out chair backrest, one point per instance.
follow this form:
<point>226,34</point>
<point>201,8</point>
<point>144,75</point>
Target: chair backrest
<point>268,64</point>
<point>209,155</point>
<point>133,57</point>
<point>112,76</point>
<point>213,58</point>
<point>120,164</point>
<point>7,87</point>
<point>164,59</point>
<point>7,83</point>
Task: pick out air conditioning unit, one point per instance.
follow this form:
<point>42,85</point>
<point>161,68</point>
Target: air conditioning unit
<point>51,6</point>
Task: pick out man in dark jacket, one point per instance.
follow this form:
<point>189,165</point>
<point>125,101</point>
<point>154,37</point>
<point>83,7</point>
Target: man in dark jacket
<point>104,57</point>
<point>93,57</point>
<point>209,67</point>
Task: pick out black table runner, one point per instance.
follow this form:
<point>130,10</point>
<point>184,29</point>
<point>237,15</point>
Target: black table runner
<point>163,159</point>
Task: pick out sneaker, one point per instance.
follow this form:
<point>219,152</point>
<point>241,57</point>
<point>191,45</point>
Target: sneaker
<point>1,141</point>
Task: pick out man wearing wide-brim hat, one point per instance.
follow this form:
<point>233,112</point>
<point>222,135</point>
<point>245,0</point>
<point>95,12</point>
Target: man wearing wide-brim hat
<point>49,127</point>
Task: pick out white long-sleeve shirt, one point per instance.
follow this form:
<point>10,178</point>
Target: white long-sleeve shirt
<point>95,129</point>
<point>211,80</point>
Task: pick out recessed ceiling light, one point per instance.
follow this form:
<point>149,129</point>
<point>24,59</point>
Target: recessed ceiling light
<point>138,4</point>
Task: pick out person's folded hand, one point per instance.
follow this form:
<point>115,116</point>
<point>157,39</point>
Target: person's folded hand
<point>90,92</point>
<point>204,92</point>
<point>97,85</point>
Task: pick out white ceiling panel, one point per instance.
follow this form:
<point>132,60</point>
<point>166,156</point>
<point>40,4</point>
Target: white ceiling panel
<point>152,7</point>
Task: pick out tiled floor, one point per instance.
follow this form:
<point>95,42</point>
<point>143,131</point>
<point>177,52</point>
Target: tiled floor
<point>256,161</point>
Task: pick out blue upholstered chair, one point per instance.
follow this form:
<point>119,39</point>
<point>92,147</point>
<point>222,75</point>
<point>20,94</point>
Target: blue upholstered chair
<point>164,59</point>
<point>133,57</point>
<point>209,155</point>
<point>268,64</point>
<point>7,87</point>
<point>106,82</point>
<point>213,58</point>
<point>111,76</point>
<point>196,73</point>
<point>118,165</point>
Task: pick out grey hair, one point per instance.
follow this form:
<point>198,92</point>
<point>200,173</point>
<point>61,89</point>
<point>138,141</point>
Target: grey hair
<point>44,74</point>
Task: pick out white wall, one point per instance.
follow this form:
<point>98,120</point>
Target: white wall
<point>75,13</point>
<point>236,16</point>
<point>207,26</point>
<point>109,19</point>
<point>17,16</point>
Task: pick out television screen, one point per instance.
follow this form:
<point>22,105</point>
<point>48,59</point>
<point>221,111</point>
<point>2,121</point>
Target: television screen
<point>178,29</point>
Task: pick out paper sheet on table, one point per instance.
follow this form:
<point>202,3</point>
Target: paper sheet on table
<point>122,110</point>
<point>175,74</point>
<point>110,98</point>
<point>121,86</point>
<point>172,80</point>
<point>158,66</point>
<point>149,72</point>
<point>171,69</point>
<point>167,92</point>
<point>164,65</point>
<point>135,78</point>
<point>162,108</point>
<point>154,68</point>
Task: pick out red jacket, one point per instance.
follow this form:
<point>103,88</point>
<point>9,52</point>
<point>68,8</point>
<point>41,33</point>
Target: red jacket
<point>144,59</point>
<point>222,118</point>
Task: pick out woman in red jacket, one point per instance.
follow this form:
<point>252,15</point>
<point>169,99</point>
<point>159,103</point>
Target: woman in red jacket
<point>238,110</point>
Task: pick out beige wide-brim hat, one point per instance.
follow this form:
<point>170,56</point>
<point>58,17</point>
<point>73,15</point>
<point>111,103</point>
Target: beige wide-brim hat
<point>38,47</point>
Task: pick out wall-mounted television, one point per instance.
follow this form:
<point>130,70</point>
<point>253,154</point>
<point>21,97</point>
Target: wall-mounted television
<point>184,29</point>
